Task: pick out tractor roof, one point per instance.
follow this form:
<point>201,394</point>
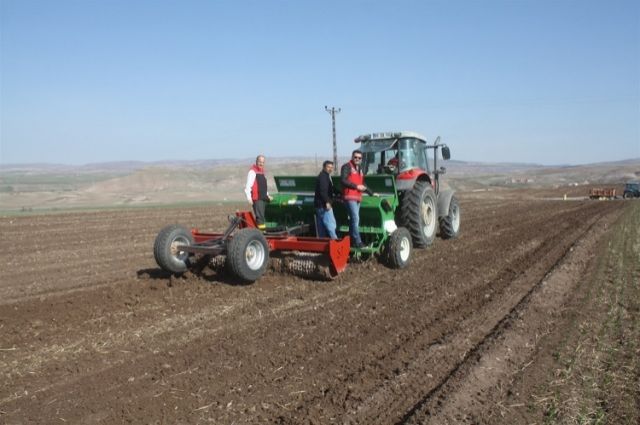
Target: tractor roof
<point>389,135</point>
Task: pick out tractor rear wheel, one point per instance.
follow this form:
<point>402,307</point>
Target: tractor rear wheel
<point>165,248</point>
<point>398,249</point>
<point>248,255</point>
<point>419,214</point>
<point>450,223</point>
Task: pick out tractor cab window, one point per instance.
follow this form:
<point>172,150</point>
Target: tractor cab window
<point>376,154</point>
<point>412,154</point>
<point>375,162</point>
<point>393,156</point>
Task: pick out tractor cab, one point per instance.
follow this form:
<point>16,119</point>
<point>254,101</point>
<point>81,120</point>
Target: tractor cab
<point>631,190</point>
<point>402,154</point>
<point>393,153</point>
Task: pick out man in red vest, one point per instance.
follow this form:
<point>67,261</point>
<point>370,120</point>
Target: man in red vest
<point>256,190</point>
<point>352,180</point>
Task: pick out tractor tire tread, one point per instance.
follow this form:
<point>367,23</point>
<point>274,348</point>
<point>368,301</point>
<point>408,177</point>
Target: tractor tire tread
<point>410,214</point>
<point>447,230</point>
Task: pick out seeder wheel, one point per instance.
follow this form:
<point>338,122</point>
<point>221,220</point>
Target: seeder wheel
<point>248,255</point>
<point>398,250</point>
<point>166,248</point>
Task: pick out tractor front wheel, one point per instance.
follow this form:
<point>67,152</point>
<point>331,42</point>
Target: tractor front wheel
<point>419,214</point>
<point>450,223</point>
<point>398,249</point>
<point>248,255</point>
<point>166,248</point>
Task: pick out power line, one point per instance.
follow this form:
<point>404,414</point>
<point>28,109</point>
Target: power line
<point>333,111</point>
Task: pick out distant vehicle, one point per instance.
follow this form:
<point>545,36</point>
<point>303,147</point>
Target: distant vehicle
<point>631,190</point>
<point>602,193</point>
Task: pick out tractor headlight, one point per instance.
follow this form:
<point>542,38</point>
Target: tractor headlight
<point>390,226</point>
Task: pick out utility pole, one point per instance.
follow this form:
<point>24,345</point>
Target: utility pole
<point>333,111</point>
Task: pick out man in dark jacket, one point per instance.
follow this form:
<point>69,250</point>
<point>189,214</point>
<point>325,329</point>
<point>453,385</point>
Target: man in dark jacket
<point>323,202</point>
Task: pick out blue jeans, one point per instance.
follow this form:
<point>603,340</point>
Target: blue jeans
<point>326,223</point>
<point>354,221</point>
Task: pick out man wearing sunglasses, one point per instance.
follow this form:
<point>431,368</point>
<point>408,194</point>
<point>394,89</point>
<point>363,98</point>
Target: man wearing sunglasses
<point>352,180</point>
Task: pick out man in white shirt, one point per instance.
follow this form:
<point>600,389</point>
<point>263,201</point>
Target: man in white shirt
<point>256,190</point>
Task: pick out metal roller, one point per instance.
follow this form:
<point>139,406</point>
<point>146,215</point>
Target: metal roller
<point>304,264</point>
<point>217,263</point>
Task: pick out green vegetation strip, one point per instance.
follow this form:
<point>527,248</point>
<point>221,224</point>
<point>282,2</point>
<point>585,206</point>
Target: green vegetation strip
<point>597,377</point>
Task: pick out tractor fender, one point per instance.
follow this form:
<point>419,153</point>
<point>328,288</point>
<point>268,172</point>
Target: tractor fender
<point>444,199</point>
<point>406,184</point>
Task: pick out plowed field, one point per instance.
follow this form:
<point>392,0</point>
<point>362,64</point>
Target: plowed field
<point>92,332</point>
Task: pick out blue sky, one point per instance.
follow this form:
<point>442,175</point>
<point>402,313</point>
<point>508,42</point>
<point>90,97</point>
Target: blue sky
<point>550,82</point>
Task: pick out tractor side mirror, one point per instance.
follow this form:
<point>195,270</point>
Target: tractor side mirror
<point>446,153</point>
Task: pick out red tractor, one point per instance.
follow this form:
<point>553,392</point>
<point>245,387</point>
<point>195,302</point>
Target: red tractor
<point>424,206</point>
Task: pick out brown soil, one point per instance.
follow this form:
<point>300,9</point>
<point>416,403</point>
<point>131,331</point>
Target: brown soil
<point>92,332</point>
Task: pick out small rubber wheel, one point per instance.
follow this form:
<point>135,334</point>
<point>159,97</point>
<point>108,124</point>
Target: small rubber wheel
<point>247,255</point>
<point>398,249</point>
<point>166,248</point>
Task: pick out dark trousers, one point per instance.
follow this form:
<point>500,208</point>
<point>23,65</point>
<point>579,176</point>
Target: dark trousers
<point>258,210</point>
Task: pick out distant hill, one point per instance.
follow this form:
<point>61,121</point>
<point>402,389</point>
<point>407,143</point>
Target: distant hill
<point>47,186</point>
<point>532,175</point>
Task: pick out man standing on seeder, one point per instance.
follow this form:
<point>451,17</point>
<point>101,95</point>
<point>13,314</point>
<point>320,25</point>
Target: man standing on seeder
<point>256,190</point>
